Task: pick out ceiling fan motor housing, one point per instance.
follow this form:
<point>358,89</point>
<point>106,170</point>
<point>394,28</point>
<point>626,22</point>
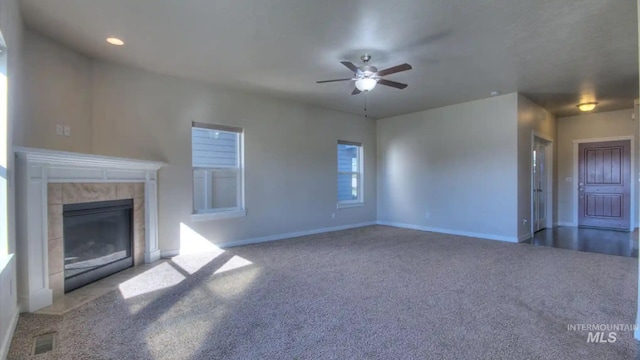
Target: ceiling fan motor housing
<point>367,71</point>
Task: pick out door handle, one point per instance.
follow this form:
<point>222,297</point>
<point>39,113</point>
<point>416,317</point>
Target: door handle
<point>580,189</point>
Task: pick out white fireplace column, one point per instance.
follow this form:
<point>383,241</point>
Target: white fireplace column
<point>151,248</point>
<point>35,168</point>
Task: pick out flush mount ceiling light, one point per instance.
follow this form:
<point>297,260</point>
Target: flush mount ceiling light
<point>115,41</point>
<point>587,106</point>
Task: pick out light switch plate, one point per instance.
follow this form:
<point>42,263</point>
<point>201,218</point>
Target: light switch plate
<point>59,130</point>
<point>67,130</point>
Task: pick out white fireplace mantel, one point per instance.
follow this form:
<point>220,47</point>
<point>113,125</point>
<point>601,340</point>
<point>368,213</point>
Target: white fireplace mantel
<point>35,168</point>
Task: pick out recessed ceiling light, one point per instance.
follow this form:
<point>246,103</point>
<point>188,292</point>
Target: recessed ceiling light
<point>587,106</point>
<point>495,93</point>
<point>115,41</point>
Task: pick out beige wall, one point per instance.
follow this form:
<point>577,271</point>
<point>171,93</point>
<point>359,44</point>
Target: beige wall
<point>457,163</point>
<point>589,126</point>
<point>58,88</point>
<point>290,148</point>
<point>531,119</point>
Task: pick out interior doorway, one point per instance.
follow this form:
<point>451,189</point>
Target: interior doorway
<point>541,184</point>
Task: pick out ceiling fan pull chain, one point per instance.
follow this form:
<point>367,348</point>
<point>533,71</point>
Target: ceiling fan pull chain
<point>365,105</point>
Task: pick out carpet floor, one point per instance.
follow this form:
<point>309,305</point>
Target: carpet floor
<point>369,293</point>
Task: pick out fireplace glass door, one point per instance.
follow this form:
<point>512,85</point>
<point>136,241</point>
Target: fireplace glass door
<point>97,240</point>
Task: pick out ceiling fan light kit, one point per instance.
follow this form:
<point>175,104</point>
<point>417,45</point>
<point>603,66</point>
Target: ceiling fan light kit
<point>366,77</point>
<point>366,84</point>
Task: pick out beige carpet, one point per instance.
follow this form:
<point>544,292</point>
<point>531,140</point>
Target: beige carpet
<point>370,293</point>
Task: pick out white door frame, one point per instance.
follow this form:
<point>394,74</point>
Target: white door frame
<point>574,203</point>
<point>549,173</point>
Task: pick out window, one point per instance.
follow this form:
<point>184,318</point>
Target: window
<point>349,174</point>
<point>4,159</point>
<point>217,171</point>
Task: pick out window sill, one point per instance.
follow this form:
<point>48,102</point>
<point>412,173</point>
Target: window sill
<point>350,205</point>
<point>220,215</point>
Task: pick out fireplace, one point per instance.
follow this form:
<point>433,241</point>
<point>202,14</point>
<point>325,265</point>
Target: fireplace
<point>46,181</point>
<point>98,240</point>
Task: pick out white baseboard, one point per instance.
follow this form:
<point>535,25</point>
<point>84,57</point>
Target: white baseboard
<point>292,235</point>
<point>6,342</point>
<point>164,254</point>
<point>524,237</point>
<point>512,239</point>
<point>562,223</point>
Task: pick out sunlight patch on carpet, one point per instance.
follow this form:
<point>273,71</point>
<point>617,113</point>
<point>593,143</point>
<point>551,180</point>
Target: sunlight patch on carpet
<point>235,262</point>
<point>191,263</point>
<point>157,278</point>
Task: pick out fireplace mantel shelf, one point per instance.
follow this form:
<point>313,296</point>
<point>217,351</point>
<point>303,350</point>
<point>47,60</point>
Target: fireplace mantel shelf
<point>35,169</point>
<point>64,158</point>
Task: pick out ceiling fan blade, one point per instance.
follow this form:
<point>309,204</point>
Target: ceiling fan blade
<point>328,81</point>
<point>395,69</point>
<point>350,65</point>
<point>394,84</point>
<point>356,91</point>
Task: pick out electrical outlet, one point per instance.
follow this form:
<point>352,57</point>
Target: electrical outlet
<point>59,130</point>
<point>568,179</point>
<point>67,130</point>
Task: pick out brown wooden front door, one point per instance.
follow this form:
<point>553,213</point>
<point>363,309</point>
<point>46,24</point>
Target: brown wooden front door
<point>604,184</point>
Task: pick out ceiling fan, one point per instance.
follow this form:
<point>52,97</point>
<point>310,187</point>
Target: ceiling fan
<point>367,76</point>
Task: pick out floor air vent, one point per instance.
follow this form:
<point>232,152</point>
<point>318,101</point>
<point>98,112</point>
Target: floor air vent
<point>44,343</point>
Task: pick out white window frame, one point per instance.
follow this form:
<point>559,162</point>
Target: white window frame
<point>221,213</point>
<point>5,252</point>
<point>343,204</point>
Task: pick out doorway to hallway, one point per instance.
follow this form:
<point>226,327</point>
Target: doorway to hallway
<point>541,184</point>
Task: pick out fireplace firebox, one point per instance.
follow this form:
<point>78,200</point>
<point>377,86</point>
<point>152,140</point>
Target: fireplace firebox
<point>98,238</point>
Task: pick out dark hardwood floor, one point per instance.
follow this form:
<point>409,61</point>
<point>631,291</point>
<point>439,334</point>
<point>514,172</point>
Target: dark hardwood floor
<point>601,241</point>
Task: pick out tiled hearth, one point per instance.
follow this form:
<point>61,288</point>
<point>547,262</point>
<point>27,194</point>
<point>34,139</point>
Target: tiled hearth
<point>59,194</point>
<point>124,279</point>
<point>45,181</point>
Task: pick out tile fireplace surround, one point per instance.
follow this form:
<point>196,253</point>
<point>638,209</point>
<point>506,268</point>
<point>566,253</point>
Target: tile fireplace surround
<point>45,181</point>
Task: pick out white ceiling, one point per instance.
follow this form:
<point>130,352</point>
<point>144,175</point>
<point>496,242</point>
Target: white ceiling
<point>556,52</point>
